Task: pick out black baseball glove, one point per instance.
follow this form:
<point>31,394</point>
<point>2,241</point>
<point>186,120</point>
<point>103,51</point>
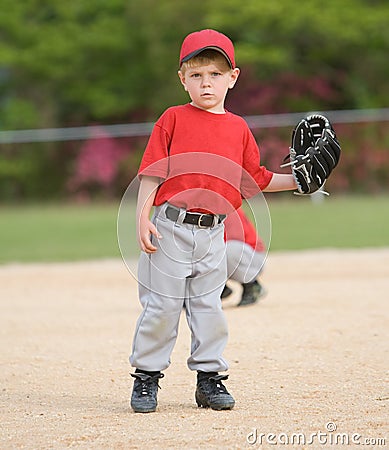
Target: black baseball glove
<point>314,153</point>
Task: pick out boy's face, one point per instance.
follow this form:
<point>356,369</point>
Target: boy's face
<point>208,85</point>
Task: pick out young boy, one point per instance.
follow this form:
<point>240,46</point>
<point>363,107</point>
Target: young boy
<point>199,161</point>
<point>246,254</point>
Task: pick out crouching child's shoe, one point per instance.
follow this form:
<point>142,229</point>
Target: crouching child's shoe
<point>144,393</point>
<point>252,292</point>
<point>211,393</point>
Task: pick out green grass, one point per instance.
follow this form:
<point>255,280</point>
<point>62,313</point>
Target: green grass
<point>58,232</point>
<point>74,232</point>
<point>340,222</point>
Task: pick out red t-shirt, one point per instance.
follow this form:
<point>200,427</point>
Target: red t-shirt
<point>238,227</point>
<point>207,161</point>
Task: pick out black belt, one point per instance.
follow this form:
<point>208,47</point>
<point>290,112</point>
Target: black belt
<point>201,220</point>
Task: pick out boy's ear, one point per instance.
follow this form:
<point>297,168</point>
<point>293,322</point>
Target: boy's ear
<point>182,79</point>
<point>234,77</point>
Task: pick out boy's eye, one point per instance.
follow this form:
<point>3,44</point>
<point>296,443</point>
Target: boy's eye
<point>215,74</point>
<point>195,75</point>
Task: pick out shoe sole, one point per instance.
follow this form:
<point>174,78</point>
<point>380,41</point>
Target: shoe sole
<point>138,411</point>
<point>143,410</point>
<point>214,406</point>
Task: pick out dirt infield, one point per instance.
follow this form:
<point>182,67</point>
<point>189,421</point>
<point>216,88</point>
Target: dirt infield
<point>309,364</point>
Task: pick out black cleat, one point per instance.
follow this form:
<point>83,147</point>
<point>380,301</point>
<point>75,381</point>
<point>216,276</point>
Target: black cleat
<point>144,393</point>
<point>211,393</point>
<point>252,292</point>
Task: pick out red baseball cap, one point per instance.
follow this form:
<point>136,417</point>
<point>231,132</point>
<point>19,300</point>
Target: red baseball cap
<point>202,40</point>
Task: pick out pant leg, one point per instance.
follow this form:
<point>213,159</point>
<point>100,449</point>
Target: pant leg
<point>243,263</point>
<point>162,290</point>
<point>205,316</point>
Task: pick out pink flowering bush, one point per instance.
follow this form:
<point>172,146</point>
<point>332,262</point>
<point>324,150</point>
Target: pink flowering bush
<point>96,166</point>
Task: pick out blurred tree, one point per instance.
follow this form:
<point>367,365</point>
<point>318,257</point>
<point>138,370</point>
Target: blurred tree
<point>80,62</point>
<point>73,62</point>
<point>345,43</point>
<point>76,61</point>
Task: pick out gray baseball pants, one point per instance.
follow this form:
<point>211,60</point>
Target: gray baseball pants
<point>189,267</point>
<point>243,263</point>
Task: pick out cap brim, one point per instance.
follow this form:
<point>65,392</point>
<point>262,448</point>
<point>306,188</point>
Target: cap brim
<point>197,52</point>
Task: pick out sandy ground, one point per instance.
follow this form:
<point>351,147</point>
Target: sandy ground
<point>308,363</point>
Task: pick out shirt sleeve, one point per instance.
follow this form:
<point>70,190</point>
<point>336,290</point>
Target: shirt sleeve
<point>155,158</point>
<point>254,177</point>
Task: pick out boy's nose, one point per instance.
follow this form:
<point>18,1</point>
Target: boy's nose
<point>206,81</point>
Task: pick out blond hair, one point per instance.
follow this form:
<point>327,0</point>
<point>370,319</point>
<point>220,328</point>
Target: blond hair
<point>207,57</point>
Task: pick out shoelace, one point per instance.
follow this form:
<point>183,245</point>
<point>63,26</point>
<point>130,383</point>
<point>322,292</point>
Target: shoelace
<point>147,382</point>
<point>221,387</point>
<point>217,383</point>
<point>145,388</point>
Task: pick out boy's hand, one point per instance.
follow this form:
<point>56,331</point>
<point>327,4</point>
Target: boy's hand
<point>146,229</point>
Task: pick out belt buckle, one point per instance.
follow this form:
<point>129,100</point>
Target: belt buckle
<point>206,226</point>
<point>199,222</point>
